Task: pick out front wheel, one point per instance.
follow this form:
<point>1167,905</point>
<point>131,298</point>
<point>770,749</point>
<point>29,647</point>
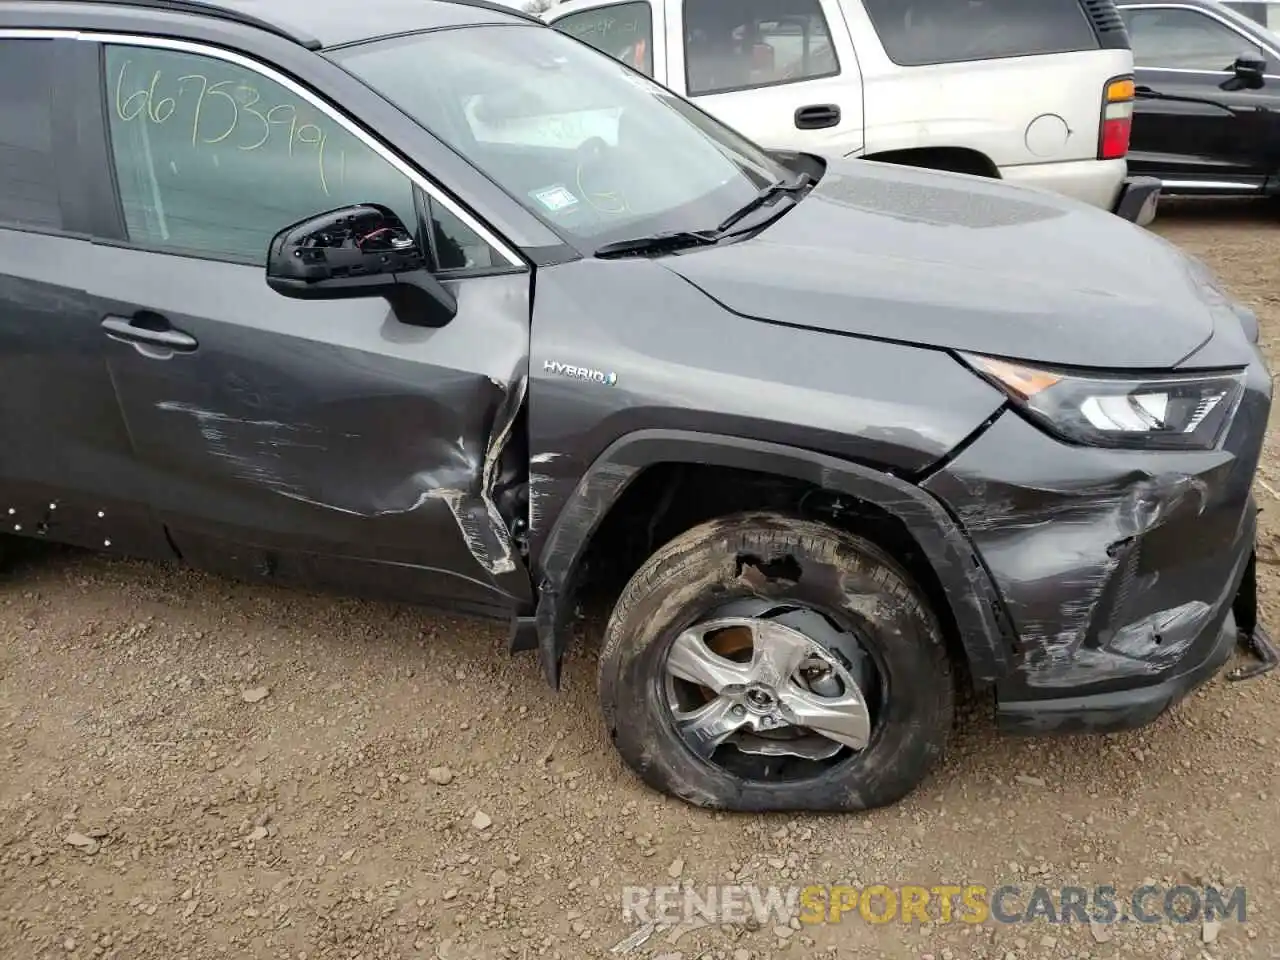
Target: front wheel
<point>759,662</point>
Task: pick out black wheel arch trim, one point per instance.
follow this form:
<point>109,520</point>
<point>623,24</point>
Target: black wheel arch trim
<point>970,593</point>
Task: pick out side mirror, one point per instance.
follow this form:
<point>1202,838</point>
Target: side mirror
<point>1248,73</point>
<point>358,251</point>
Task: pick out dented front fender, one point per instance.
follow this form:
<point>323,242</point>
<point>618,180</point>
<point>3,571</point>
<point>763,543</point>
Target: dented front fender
<point>970,594</point>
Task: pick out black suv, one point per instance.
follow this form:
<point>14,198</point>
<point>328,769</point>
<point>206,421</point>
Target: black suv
<point>1207,118</point>
<point>426,300</point>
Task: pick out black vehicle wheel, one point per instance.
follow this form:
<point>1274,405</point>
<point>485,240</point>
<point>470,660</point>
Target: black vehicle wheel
<point>763,663</point>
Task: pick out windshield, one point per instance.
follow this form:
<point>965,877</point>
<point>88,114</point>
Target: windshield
<point>596,150</point>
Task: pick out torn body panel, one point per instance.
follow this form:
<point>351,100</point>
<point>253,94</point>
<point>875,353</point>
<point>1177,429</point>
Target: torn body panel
<point>330,442</point>
<point>1088,548</point>
<point>838,397</point>
<point>967,587</point>
<point>780,385</point>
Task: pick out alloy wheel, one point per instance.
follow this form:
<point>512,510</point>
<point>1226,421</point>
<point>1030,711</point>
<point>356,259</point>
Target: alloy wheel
<point>771,691</point>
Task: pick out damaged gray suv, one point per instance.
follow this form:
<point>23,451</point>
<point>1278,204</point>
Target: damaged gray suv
<point>424,300</point>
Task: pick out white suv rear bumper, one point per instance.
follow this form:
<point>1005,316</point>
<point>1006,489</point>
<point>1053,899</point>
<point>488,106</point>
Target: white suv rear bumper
<point>1095,182</point>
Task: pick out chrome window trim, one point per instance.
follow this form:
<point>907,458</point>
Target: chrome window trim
<point>324,106</point>
<point>1204,73</point>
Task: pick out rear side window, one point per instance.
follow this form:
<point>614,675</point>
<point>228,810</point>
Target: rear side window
<point>1184,40</point>
<point>28,183</point>
<point>919,32</point>
<point>730,46</point>
<point>624,31</point>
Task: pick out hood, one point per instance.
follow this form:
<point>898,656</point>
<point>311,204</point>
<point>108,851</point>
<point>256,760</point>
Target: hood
<point>944,260</point>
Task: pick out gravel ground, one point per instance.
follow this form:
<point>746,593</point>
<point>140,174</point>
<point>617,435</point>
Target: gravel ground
<point>191,767</point>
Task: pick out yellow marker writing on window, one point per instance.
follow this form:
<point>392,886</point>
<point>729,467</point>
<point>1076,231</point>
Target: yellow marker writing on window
<point>226,112</point>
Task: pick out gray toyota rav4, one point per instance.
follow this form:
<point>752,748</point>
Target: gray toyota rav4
<point>426,301</point>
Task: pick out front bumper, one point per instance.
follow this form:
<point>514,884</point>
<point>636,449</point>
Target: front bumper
<point>1135,707</point>
<point>1138,199</point>
<point>1118,572</point>
<point>1131,707</point>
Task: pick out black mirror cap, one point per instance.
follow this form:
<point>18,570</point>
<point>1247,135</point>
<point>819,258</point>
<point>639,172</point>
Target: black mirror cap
<point>358,251</point>
<point>1247,73</point>
<point>1250,66</point>
<point>353,251</point>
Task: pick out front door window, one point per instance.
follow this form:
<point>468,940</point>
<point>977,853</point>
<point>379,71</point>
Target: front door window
<point>214,159</point>
<point>1182,39</point>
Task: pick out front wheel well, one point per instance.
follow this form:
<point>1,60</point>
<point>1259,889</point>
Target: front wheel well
<point>667,499</point>
<point>953,159</point>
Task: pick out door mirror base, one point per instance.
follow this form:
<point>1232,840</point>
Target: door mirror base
<point>358,251</point>
<point>1248,73</point>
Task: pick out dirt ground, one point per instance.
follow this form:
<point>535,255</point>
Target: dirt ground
<point>148,809</point>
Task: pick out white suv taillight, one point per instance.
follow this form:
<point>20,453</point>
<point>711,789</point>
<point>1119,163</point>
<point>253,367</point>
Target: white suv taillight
<point>1117,118</point>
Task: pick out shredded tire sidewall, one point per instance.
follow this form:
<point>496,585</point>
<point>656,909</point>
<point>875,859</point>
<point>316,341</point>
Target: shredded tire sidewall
<point>841,574</point>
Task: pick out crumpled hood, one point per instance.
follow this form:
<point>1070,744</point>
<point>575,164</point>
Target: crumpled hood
<point>942,260</point>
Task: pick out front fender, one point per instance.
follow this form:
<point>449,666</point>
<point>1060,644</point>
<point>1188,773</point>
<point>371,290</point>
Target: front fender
<point>970,594</point>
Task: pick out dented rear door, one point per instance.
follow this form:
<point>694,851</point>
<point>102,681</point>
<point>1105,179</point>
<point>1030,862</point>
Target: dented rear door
<point>327,443</point>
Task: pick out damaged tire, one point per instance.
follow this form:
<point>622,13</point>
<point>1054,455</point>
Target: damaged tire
<point>763,663</point>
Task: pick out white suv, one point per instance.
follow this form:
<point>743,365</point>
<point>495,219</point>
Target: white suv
<point>1037,92</point>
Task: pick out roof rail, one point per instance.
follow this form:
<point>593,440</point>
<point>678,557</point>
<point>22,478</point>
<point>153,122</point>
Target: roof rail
<point>503,8</point>
<point>233,14</point>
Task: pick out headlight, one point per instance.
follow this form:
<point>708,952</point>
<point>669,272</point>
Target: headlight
<point>1167,412</point>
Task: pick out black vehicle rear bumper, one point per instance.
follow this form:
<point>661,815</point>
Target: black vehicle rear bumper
<point>1138,199</point>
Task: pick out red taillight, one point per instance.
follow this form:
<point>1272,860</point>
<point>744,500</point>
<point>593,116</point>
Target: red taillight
<point>1117,119</point>
<point>1115,138</point>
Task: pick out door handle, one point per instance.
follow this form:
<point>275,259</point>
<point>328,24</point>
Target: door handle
<point>816,116</point>
<point>123,328</point>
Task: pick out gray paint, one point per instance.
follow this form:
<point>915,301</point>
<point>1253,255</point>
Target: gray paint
<point>1090,552</point>
<point>331,24</point>
<point>336,445</point>
<point>329,423</point>
<point>940,260</point>
<point>684,363</point>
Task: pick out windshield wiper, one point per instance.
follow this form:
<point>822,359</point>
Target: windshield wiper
<point>671,240</point>
<point>681,239</point>
<point>767,195</point>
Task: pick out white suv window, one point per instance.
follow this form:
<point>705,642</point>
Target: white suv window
<point>731,47</point>
<point>919,32</point>
<point>1183,39</point>
<point>622,30</point>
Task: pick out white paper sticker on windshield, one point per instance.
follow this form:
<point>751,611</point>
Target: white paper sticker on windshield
<point>555,198</point>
